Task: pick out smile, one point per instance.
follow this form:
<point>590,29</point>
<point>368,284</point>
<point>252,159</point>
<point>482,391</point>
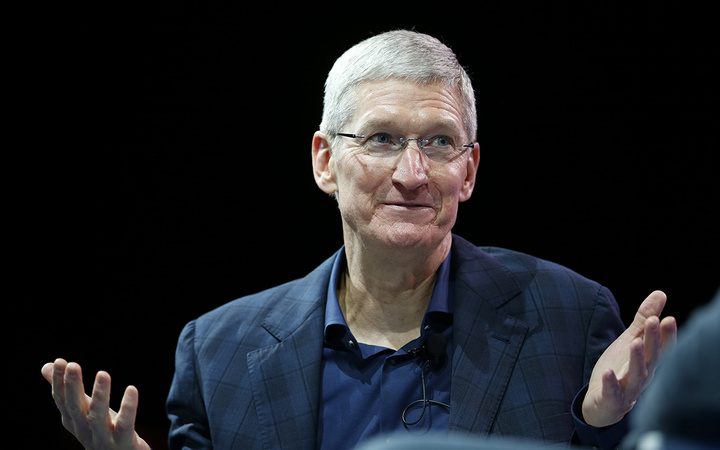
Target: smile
<point>406,206</point>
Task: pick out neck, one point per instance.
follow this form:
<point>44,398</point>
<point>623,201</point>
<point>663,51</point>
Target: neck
<point>384,294</point>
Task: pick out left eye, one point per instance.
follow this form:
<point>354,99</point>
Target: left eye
<point>442,141</point>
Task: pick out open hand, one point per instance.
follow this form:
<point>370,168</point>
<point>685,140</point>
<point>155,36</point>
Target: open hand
<point>90,419</point>
<point>628,365</point>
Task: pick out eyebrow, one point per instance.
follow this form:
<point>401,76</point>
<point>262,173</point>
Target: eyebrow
<point>375,124</point>
<point>439,127</point>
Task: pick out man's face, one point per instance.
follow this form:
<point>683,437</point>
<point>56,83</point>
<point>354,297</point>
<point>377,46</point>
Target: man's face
<point>408,199</point>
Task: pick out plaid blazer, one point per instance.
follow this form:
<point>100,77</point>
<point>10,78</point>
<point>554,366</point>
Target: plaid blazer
<point>526,335</point>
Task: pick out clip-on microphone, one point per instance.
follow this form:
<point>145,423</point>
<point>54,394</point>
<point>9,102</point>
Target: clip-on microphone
<point>435,348</point>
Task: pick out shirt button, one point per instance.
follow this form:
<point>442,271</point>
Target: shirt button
<point>392,361</point>
<point>351,343</point>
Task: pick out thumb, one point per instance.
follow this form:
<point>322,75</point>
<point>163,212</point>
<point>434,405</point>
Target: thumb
<point>652,306</point>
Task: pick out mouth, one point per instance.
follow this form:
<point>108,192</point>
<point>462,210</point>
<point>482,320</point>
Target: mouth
<point>408,205</point>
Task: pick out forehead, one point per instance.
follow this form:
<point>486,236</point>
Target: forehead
<point>408,107</point>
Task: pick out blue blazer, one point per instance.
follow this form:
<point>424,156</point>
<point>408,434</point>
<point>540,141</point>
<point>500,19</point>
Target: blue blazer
<point>526,335</point>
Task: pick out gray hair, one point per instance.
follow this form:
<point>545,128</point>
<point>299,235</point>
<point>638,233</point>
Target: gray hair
<point>401,54</point>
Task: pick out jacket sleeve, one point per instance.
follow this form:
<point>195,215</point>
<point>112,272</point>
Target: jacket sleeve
<point>185,406</point>
<point>605,326</point>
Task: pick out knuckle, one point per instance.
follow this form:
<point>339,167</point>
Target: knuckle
<point>123,426</point>
<point>73,408</point>
<point>94,417</point>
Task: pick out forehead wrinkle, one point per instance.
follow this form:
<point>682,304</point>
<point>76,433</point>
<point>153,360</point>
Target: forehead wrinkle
<point>432,119</point>
<point>416,110</point>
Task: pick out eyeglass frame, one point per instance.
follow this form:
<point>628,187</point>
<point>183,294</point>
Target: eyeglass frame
<point>403,141</point>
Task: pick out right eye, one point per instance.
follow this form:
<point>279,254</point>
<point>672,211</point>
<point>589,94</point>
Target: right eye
<point>381,138</point>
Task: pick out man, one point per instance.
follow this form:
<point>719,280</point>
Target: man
<point>407,329</point>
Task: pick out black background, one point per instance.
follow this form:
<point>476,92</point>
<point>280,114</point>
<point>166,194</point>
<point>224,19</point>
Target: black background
<point>162,165</point>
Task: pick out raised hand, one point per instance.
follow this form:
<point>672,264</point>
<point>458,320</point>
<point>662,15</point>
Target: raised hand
<point>90,419</point>
<point>628,365</point>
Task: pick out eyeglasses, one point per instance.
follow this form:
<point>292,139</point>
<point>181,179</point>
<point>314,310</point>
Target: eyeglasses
<point>384,145</point>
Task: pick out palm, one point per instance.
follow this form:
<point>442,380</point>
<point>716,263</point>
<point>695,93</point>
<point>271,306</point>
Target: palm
<point>628,365</point>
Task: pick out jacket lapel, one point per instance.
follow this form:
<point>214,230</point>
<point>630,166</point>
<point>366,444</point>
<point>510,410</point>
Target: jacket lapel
<point>286,377</point>
<point>486,340</point>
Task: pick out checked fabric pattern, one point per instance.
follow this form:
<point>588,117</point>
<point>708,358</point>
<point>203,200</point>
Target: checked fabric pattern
<point>526,334</point>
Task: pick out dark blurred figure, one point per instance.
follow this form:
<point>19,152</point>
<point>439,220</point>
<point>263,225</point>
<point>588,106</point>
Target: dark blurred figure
<point>681,408</point>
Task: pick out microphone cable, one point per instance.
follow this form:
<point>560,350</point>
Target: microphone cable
<point>435,348</point>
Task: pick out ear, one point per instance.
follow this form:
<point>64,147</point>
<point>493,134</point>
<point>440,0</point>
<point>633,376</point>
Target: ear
<point>323,163</point>
<point>473,162</point>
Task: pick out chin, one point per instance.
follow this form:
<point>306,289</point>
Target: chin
<point>407,235</point>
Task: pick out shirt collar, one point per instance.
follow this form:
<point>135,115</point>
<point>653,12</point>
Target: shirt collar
<point>439,310</point>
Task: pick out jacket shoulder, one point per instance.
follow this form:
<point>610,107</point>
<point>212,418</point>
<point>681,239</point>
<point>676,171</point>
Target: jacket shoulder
<point>528,267</point>
<point>279,307</point>
<point>535,277</point>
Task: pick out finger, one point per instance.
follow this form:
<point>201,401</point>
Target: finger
<point>668,331</point>
<point>98,411</point>
<point>125,420</point>
<point>75,399</point>
<point>651,306</point>
<point>76,403</point>
<point>58,383</point>
<point>652,342</point>
<point>633,381</point>
<point>611,386</point>
<point>612,394</point>
<point>47,372</point>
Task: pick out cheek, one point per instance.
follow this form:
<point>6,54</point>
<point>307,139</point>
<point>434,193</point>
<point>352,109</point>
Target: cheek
<point>355,176</point>
<point>357,184</point>
<point>449,184</point>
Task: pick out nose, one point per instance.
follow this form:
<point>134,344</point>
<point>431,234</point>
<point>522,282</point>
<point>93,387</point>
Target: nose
<point>411,168</point>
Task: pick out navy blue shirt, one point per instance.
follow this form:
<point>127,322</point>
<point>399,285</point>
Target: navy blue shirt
<point>365,388</point>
